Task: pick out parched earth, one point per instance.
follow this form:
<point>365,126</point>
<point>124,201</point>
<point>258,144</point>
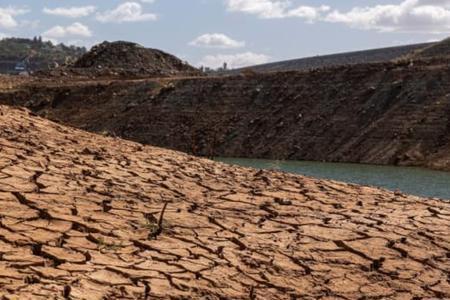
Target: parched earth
<point>89,217</point>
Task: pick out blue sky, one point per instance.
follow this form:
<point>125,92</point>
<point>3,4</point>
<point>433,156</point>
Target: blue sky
<point>242,32</point>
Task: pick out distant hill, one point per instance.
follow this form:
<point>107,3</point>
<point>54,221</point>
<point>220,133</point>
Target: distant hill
<point>357,57</point>
<point>19,54</point>
<point>437,49</point>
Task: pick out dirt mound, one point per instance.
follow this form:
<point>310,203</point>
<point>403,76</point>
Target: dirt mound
<point>85,217</point>
<point>128,59</point>
<point>440,49</point>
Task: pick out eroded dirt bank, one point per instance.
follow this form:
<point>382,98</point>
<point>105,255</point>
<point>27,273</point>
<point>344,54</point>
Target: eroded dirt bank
<point>79,220</point>
<point>380,113</point>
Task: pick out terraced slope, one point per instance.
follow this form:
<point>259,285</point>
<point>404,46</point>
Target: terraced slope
<point>80,220</point>
<point>391,114</point>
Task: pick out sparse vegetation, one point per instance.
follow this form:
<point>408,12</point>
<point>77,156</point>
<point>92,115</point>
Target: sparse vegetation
<point>103,245</point>
<point>35,53</point>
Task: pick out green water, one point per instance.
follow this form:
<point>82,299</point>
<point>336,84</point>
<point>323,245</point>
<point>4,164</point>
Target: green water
<point>414,181</point>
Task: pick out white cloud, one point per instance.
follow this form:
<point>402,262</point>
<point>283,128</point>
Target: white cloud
<point>74,30</point>
<point>126,12</point>
<point>216,40</point>
<point>270,9</point>
<point>308,12</point>
<point>8,14</point>
<point>262,8</point>
<point>420,16</point>
<point>70,12</point>
<point>234,60</point>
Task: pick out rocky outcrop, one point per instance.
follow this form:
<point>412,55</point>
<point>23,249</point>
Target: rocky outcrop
<point>88,217</point>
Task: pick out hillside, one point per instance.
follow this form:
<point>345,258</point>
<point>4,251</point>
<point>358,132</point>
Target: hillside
<point>440,49</point>
<point>80,219</point>
<point>36,54</point>
<point>341,59</point>
<point>390,113</point>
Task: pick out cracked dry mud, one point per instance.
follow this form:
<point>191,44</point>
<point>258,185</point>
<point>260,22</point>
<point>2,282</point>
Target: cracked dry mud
<point>79,220</point>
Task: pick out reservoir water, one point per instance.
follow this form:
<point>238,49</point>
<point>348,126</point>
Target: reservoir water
<point>410,180</point>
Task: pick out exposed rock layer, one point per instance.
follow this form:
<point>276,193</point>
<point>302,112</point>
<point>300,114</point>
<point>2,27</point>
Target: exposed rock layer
<point>395,114</point>
<point>79,220</point>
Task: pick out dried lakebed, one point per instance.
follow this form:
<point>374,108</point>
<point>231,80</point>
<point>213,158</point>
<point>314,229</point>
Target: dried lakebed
<point>82,217</point>
<point>410,180</point>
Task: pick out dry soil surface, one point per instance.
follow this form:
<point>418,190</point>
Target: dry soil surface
<point>80,220</point>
